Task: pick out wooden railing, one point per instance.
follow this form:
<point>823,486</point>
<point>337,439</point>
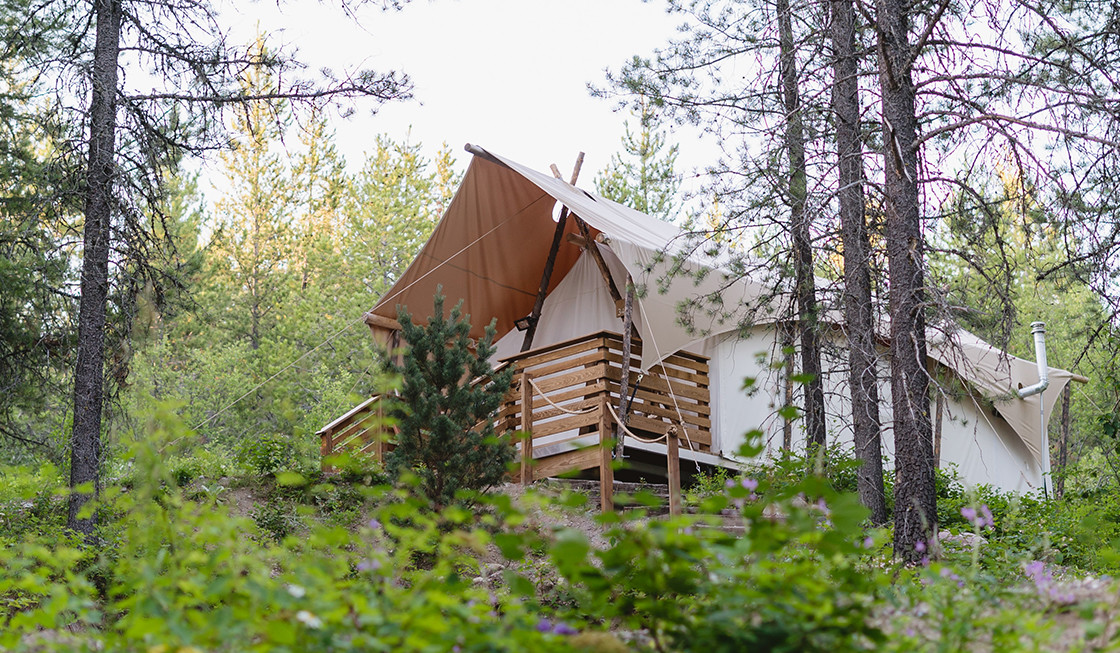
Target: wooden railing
<point>362,430</point>
<point>572,389</point>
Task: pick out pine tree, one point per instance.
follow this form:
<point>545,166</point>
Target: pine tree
<point>257,237</point>
<point>644,177</point>
<point>446,407</point>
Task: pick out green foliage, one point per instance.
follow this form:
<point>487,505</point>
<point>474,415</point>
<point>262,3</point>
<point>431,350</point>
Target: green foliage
<point>798,583</point>
<point>327,565</point>
<point>267,455</point>
<point>449,396</point>
<point>181,573</point>
<point>644,177</point>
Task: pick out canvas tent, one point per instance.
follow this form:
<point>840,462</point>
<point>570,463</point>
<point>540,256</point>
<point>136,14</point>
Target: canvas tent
<point>489,250</point>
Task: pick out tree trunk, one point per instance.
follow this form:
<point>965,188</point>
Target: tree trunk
<point>915,502</point>
<point>802,239</point>
<point>858,312</point>
<point>89,379</point>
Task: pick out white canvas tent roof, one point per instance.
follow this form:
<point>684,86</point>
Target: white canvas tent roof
<point>491,244</point>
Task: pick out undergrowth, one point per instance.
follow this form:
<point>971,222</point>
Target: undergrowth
<point>349,562</point>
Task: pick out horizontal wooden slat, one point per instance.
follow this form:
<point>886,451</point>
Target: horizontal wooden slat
<point>354,427</point>
<point>585,375</point>
<point>562,350</point>
<point>638,422</point>
<point>670,413</point>
<point>577,459</point>
<point>686,404</point>
<point>660,384</point>
<point>565,365</point>
<point>548,412</point>
<point>584,392</point>
<point>673,361</point>
<point>564,424</point>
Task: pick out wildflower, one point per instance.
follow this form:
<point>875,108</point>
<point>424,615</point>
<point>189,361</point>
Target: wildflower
<point>988,515</point>
<point>868,542</point>
<point>969,514</point>
<point>308,619</point>
<point>296,591</point>
<point>371,564</point>
<point>920,546</point>
<point>374,524</point>
<point>564,629</point>
<point>544,626</point>
<point>729,484</point>
<point>750,484</point>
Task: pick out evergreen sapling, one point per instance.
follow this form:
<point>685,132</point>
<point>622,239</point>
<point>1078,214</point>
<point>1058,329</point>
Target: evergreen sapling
<point>449,397</point>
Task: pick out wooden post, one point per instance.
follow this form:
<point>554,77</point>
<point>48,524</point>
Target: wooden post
<point>937,430</point>
<point>593,249</point>
<point>527,429</point>
<point>606,471</point>
<point>673,461</point>
<point>380,432</point>
<point>1063,446</point>
<point>326,448</point>
<point>546,275</point>
<point>624,382</point>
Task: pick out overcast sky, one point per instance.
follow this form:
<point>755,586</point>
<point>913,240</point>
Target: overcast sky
<point>509,75</point>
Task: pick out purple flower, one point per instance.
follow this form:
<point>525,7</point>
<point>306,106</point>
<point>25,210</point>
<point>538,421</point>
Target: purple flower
<point>750,484</point>
<point>369,565</point>
<point>925,561</point>
<point>729,484</point>
<point>920,546</point>
<point>988,515</point>
<point>374,524</point>
<point>969,514</point>
<point>868,542</point>
<point>562,628</point>
<point>544,626</point>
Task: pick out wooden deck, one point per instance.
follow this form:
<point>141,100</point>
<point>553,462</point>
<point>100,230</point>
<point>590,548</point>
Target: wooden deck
<point>572,391</point>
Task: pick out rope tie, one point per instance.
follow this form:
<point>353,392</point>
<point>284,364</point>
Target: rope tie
<point>552,403</point>
<point>639,438</point>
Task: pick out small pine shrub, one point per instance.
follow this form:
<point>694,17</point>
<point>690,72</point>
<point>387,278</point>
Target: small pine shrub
<point>446,433</point>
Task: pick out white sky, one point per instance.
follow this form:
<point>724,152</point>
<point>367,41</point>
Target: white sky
<point>508,75</point>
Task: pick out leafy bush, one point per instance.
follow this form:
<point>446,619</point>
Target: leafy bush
<point>449,396</point>
<point>795,583</point>
<point>177,574</point>
<point>267,454</point>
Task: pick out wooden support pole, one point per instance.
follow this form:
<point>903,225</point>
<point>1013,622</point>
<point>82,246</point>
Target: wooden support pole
<point>606,471</point>
<point>550,262</point>
<point>1063,446</point>
<point>624,382</point>
<point>379,432</point>
<point>527,429</point>
<point>937,430</point>
<point>326,448</point>
<point>593,249</point>
<point>673,461</point>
